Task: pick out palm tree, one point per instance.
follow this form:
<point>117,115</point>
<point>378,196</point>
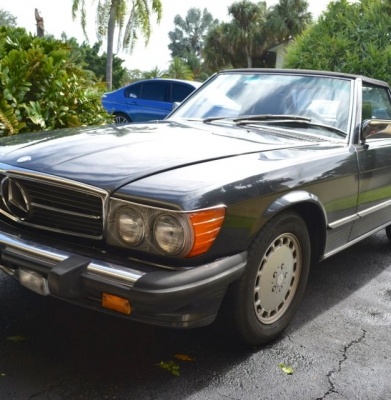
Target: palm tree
<point>252,31</point>
<point>130,16</point>
<point>178,69</point>
<point>153,73</point>
<point>189,34</point>
<point>216,51</point>
<point>248,21</point>
<point>197,67</point>
<point>288,18</point>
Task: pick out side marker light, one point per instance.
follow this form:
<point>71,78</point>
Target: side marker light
<point>116,303</point>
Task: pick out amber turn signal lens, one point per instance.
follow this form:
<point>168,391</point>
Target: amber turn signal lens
<point>206,226</point>
<point>116,303</point>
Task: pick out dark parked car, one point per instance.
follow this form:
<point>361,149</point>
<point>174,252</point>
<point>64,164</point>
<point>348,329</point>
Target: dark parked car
<point>222,206</point>
<point>147,100</point>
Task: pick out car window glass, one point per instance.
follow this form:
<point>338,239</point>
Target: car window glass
<point>376,103</point>
<point>180,92</point>
<point>133,91</point>
<point>154,91</point>
<point>324,99</point>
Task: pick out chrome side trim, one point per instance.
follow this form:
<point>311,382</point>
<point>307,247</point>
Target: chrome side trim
<point>373,209</point>
<point>361,214</point>
<point>343,221</point>
<point>48,255</point>
<point>345,246</point>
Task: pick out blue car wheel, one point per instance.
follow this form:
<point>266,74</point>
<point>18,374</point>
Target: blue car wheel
<point>120,118</point>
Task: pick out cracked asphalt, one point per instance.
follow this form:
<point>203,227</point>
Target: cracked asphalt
<point>338,345</point>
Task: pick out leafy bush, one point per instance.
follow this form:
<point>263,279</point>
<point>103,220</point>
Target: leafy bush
<point>348,37</point>
<point>41,88</point>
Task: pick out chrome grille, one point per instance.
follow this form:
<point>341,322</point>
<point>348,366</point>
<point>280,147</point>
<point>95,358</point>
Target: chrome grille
<point>59,207</point>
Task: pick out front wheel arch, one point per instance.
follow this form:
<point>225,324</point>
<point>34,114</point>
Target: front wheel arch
<point>316,226</point>
<point>310,208</point>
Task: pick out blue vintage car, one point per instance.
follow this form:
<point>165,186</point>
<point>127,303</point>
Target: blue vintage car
<point>146,100</point>
<point>220,208</point>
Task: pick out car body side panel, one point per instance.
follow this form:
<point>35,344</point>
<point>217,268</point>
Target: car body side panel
<point>375,186</point>
<point>140,110</point>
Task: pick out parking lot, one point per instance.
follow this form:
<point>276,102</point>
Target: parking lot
<point>338,345</point>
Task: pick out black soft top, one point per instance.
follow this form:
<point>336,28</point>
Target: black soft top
<point>308,72</point>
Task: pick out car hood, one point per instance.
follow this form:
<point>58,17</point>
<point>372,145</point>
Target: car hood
<point>112,156</point>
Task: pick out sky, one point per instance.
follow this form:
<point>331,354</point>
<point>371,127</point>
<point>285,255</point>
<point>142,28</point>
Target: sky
<point>57,15</point>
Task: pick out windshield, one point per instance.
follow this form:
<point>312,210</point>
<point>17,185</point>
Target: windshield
<point>325,100</point>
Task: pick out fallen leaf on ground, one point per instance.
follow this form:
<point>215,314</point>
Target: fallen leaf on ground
<point>169,366</point>
<point>16,338</point>
<point>183,357</point>
<point>285,368</point>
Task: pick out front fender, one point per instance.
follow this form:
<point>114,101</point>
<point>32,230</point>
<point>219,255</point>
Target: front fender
<point>293,198</point>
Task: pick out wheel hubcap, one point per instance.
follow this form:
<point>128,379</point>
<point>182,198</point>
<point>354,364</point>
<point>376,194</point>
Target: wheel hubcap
<point>119,119</point>
<point>277,278</point>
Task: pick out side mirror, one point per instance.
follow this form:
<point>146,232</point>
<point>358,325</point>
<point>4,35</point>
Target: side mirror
<point>375,129</point>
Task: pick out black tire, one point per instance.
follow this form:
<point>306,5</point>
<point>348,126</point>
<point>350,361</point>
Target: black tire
<point>120,118</point>
<point>264,300</point>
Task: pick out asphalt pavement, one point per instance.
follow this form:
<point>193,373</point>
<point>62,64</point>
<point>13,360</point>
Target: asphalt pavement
<point>338,346</point>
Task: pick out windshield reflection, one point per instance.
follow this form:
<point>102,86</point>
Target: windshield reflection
<point>325,100</point>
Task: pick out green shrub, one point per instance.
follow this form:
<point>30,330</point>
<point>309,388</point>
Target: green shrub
<point>348,37</point>
<point>41,88</point>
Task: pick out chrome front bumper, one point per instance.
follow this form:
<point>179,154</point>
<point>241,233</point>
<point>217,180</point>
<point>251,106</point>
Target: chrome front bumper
<point>181,298</point>
<point>50,257</point>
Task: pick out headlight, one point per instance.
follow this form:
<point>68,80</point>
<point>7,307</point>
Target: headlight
<point>160,231</point>
<point>130,226</point>
<point>170,234</point>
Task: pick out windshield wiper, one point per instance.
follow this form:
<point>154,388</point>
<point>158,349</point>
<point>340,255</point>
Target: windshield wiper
<point>261,117</point>
<point>286,119</point>
<point>211,119</point>
<point>278,119</point>
<point>271,117</point>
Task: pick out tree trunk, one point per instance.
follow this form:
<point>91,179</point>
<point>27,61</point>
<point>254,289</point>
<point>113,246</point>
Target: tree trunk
<point>40,26</point>
<point>249,61</point>
<point>249,58</point>
<point>110,44</point>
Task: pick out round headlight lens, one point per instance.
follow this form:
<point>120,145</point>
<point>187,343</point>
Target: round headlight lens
<point>130,226</point>
<point>169,234</point>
